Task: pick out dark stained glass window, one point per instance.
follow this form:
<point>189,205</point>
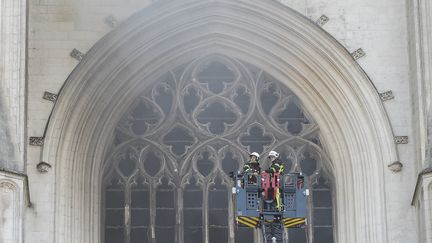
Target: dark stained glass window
<point>167,176</point>
<point>165,220</point>
<point>218,212</point>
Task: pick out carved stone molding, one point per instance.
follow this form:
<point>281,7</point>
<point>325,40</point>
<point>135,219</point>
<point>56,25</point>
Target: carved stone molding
<point>50,96</point>
<point>424,181</point>
<point>323,19</point>
<point>19,178</point>
<point>357,54</point>
<point>78,55</point>
<point>43,167</point>
<point>111,21</point>
<point>337,71</point>
<point>401,139</point>
<point>388,95</point>
<point>395,166</point>
<point>7,186</point>
<point>36,141</point>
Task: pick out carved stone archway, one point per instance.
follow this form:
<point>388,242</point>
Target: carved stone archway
<point>332,87</point>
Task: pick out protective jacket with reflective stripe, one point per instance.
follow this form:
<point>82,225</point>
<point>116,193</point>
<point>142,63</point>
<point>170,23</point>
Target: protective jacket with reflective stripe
<point>276,166</point>
<point>252,167</point>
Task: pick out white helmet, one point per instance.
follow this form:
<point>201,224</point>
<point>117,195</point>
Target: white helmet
<point>255,154</point>
<point>273,153</point>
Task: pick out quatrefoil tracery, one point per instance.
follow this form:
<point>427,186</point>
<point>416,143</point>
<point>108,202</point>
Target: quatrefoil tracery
<point>219,97</point>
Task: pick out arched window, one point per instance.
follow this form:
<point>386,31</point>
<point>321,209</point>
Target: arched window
<point>167,177</point>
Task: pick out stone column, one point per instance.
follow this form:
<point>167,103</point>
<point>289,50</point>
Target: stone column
<point>13,194</point>
<point>12,83</point>
<point>12,119</point>
<point>420,44</point>
<point>423,202</point>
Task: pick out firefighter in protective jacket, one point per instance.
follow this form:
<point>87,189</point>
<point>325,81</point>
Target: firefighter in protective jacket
<point>276,163</point>
<point>276,167</point>
<point>253,165</point>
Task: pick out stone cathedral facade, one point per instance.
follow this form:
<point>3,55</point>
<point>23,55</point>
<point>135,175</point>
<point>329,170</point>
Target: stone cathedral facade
<point>121,120</point>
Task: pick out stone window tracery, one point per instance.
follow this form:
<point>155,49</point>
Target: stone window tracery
<point>167,178</point>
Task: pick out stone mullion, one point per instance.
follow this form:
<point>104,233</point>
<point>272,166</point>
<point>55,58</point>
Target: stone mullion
<point>258,236</point>
<point>127,213</point>
<point>179,216</point>
<point>310,214</point>
<point>231,225</point>
<point>152,213</point>
<point>310,206</point>
<point>205,213</point>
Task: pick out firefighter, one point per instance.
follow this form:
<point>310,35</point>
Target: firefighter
<point>252,166</point>
<point>276,167</point>
<point>276,163</point>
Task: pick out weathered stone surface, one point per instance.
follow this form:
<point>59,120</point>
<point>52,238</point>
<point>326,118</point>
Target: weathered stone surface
<point>12,83</point>
<point>7,149</point>
<point>12,203</point>
<point>380,27</point>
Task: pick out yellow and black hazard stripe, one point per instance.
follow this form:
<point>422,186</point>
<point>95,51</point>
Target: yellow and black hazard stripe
<point>293,222</point>
<point>248,221</point>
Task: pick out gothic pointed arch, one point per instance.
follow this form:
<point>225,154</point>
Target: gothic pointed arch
<point>329,85</point>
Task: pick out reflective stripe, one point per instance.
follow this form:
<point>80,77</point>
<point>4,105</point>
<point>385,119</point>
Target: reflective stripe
<point>293,222</point>
<point>245,223</point>
<point>278,202</point>
<point>248,221</point>
<point>276,167</point>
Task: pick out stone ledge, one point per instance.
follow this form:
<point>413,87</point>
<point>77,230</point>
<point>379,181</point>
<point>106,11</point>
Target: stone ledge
<point>421,175</point>
<point>19,176</point>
